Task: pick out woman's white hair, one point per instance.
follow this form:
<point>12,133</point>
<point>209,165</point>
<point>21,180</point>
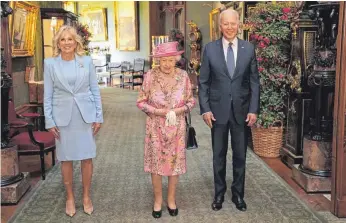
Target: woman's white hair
<point>80,47</point>
<point>230,12</point>
<point>177,57</point>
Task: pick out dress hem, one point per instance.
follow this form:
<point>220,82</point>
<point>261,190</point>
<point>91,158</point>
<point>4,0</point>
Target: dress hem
<point>79,159</point>
<point>165,175</point>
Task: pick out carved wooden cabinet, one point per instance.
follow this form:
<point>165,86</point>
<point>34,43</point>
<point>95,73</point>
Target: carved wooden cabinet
<point>173,15</point>
<point>165,16</point>
<point>299,102</point>
<point>51,20</point>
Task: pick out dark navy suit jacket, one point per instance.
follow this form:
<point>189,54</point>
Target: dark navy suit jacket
<point>219,93</point>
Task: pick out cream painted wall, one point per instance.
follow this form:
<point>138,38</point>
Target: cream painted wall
<point>118,56</point>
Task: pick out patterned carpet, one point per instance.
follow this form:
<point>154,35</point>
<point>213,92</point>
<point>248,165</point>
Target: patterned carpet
<point>122,192</point>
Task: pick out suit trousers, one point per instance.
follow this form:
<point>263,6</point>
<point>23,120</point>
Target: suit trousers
<point>238,134</point>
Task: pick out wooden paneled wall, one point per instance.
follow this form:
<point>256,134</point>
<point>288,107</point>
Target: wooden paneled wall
<point>338,206</point>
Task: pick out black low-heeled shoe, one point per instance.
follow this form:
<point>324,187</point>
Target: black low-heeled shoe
<point>172,212</point>
<point>157,214</point>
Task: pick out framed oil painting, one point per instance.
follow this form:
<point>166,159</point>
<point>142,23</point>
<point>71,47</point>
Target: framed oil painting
<point>96,19</point>
<point>214,25</point>
<point>126,22</point>
<point>70,6</point>
<point>22,27</point>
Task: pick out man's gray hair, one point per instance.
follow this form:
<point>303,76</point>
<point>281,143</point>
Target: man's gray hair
<point>229,11</point>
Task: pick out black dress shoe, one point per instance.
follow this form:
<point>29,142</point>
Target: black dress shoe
<point>157,214</point>
<point>239,203</point>
<point>217,203</point>
<point>172,212</point>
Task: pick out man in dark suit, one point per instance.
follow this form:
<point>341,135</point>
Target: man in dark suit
<point>229,93</point>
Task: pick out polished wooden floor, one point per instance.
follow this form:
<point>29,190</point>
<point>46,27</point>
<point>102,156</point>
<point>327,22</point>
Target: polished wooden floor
<point>317,202</point>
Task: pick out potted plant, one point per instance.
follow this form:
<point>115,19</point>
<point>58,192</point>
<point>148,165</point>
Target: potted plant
<point>268,25</point>
<point>83,31</point>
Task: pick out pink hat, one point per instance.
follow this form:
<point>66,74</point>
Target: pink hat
<point>167,49</point>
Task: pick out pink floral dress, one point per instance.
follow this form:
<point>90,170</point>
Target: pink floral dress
<point>164,149</point>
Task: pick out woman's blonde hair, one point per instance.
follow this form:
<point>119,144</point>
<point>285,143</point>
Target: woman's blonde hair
<point>80,47</point>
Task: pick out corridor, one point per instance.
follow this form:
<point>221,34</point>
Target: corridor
<point>122,192</point>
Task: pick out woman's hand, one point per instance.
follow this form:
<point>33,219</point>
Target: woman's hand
<point>161,112</point>
<point>96,127</point>
<point>55,132</point>
<point>180,111</point>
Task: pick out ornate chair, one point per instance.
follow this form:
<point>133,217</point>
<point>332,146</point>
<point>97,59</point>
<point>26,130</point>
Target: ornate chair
<point>31,142</point>
<point>136,73</point>
<point>101,70</point>
<point>23,119</point>
<point>124,69</point>
<point>35,116</point>
<point>15,120</point>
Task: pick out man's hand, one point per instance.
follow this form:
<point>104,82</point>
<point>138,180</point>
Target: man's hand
<point>251,119</point>
<point>208,118</point>
<point>55,132</point>
<point>96,127</point>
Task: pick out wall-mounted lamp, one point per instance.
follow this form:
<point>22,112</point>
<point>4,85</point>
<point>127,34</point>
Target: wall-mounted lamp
<point>53,24</point>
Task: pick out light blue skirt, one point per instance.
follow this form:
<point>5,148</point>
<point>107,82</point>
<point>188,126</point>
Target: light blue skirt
<point>76,139</point>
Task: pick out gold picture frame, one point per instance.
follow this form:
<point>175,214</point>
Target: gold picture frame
<point>70,6</point>
<point>96,19</point>
<point>126,25</point>
<point>214,25</point>
<point>22,27</point>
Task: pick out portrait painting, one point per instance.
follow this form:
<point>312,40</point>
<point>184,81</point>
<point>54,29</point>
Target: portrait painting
<point>70,6</point>
<point>96,20</point>
<point>215,32</point>
<point>127,25</point>
<point>19,22</point>
<point>22,25</point>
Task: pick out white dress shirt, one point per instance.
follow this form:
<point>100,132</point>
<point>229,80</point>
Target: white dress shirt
<point>225,44</point>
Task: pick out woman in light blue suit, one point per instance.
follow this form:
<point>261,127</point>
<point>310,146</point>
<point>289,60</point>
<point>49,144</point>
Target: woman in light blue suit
<point>73,110</point>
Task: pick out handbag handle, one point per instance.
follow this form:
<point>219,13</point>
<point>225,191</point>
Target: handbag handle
<point>188,118</point>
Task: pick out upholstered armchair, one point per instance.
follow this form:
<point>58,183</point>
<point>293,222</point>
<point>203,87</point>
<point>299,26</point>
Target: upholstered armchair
<point>15,120</point>
<point>30,141</point>
<point>26,117</point>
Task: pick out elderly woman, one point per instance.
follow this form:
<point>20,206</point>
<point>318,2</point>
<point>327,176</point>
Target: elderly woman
<point>73,110</point>
<point>166,96</point>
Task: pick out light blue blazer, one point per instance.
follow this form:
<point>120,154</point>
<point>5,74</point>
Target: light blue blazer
<point>59,96</point>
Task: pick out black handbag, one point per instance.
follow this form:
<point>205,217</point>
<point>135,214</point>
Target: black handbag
<point>191,142</point>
